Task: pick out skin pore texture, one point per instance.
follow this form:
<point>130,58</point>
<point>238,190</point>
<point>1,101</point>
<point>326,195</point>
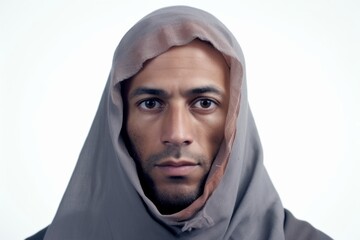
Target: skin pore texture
<point>176,109</point>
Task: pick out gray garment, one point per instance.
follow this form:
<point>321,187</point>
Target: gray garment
<point>104,199</point>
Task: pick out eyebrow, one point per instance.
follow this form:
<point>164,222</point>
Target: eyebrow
<point>149,91</point>
<point>205,89</point>
<point>164,94</point>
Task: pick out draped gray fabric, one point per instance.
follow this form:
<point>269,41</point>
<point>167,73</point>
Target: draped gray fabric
<point>104,199</point>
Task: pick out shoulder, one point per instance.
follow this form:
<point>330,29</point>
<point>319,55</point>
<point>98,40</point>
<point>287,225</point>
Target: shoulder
<point>301,230</point>
<point>39,235</point>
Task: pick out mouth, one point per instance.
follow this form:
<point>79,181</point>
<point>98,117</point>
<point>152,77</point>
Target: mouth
<point>176,168</point>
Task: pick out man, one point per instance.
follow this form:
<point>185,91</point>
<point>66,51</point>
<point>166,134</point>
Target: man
<point>173,152</point>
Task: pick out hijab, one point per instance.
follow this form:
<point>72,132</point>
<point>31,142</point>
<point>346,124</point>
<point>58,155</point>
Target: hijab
<point>104,198</point>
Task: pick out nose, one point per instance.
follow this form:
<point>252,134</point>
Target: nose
<point>177,127</point>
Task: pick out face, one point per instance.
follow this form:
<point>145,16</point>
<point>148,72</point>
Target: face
<point>176,110</point>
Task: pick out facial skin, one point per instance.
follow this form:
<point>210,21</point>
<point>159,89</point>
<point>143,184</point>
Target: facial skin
<point>176,110</point>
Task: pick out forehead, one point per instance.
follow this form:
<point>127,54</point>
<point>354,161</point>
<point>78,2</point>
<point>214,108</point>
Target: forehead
<point>196,51</point>
<point>196,63</point>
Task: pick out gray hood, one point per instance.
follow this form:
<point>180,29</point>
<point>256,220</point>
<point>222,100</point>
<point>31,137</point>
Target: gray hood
<point>104,199</point>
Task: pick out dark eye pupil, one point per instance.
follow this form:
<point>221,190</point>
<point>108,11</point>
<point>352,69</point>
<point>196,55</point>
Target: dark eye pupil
<point>150,103</point>
<point>205,103</point>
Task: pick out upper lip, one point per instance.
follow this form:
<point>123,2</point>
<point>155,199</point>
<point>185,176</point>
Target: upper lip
<point>176,163</point>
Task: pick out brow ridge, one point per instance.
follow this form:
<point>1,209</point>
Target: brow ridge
<point>162,93</point>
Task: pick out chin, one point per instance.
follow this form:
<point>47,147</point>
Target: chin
<point>175,201</point>
<point>174,196</point>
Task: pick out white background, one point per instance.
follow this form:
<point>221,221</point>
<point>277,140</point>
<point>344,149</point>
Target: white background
<point>304,85</point>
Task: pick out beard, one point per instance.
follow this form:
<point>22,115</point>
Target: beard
<point>168,201</point>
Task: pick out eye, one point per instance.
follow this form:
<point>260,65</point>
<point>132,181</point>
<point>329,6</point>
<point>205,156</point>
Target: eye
<point>205,103</point>
<point>149,104</point>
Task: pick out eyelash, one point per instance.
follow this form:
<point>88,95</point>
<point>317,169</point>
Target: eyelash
<point>159,105</point>
<point>212,102</point>
<point>157,101</point>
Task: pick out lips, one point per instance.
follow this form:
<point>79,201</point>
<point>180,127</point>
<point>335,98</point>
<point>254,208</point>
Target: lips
<point>176,168</point>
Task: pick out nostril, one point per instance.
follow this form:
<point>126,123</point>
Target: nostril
<point>177,143</point>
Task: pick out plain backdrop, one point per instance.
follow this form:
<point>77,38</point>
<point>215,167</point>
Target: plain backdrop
<point>302,60</point>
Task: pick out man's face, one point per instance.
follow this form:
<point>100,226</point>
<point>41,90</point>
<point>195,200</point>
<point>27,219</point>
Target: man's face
<point>176,110</point>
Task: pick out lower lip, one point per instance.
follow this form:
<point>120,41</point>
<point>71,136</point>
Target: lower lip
<point>177,171</point>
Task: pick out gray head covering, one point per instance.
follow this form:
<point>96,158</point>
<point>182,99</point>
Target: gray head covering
<point>104,199</point>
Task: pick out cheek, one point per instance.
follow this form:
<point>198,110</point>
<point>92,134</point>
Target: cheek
<point>216,137</point>
<point>134,135</point>
<point>141,138</point>
<point>213,134</point>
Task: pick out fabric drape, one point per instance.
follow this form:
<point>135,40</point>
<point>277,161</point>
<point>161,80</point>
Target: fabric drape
<point>104,198</point>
